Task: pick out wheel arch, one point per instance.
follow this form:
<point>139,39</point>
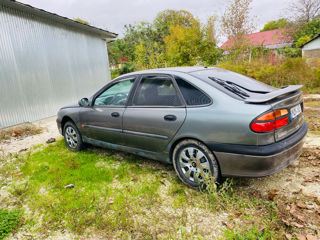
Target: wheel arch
<point>64,120</point>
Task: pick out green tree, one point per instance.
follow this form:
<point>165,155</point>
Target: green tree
<point>167,18</point>
<point>210,53</point>
<point>174,38</point>
<point>305,32</point>
<point>183,45</point>
<point>275,24</point>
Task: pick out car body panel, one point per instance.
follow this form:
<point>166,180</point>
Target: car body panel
<point>258,161</point>
<point>146,128</point>
<point>98,123</point>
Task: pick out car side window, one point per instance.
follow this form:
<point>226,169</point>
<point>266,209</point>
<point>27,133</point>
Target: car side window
<point>116,95</point>
<point>156,91</point>
<point>192,95</point>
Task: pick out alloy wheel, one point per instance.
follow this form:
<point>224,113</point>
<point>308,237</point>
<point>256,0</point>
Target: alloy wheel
<point>194,164</point>
<point>71,137</point>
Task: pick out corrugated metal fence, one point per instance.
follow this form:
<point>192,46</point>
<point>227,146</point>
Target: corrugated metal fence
<point>45,65</point>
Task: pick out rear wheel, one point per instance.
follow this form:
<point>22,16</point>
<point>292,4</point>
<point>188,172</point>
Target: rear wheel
<point>195,163</point>
<point>72,137</point>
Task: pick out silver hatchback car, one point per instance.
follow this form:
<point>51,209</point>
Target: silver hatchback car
<point>204,121</point>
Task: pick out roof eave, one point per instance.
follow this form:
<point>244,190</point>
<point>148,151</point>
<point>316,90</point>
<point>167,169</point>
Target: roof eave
<point>104,34</point>
<point>310,40</point>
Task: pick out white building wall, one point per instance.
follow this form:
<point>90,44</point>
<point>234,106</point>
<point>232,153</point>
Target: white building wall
<point>45,65</point>
<point>315,44</point>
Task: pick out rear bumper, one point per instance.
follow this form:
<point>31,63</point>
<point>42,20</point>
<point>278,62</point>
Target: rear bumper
<point>259,161</point>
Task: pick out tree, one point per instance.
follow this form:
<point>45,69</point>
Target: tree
<point>276,24</point>
<point>174,38</point>
<point>304,11</point>
<point>81,21</point>
<point>149,55</point>
<point>210,53</point>
<point>236,22</point>
<point>305,32</point>
<point>183,45</point>
<point>118,49</point>
<point>167,18</point>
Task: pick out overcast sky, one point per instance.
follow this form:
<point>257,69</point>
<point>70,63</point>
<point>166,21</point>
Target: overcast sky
<point>114,14</point>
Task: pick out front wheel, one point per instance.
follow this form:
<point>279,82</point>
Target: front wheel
<point>195,163</point>
<point>72,137</point>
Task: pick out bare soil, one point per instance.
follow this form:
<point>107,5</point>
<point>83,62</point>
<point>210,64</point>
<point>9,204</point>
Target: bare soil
<point>48,128</point>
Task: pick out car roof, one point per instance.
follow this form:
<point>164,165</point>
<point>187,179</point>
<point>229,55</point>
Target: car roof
<point>170,69</point>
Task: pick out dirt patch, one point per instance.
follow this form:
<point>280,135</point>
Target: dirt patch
<point>48,128</point>
<point>19,131</point>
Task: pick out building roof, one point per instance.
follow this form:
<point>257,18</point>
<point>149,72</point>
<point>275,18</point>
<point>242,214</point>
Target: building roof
<point>266,38</point>
<point>310,40</point>
<point>57,18</point>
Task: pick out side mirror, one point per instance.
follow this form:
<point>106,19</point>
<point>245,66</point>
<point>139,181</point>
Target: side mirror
<point>84,102</point>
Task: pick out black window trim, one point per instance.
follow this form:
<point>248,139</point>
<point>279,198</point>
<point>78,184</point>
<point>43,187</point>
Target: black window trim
<point>109,85</point>
<point>130,104</point>
<point>195,106</point>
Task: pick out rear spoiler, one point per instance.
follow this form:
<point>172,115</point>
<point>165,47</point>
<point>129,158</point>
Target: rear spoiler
<point>271,95</point>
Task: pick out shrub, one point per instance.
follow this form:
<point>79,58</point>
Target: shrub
<point>125,68</point>
<point>287,71</point>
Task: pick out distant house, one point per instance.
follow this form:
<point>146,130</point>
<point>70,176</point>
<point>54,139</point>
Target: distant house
<point>311,50</point>
<point>272,39</point>
<point>121,61</point>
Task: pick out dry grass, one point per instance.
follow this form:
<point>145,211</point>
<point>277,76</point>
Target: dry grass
<point>19,131</point>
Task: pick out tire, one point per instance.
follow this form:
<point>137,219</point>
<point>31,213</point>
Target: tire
<point>72,137</point>
<point>186,158</point>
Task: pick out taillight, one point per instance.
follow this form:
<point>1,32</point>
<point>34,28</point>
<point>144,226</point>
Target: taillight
<point>270,121</point>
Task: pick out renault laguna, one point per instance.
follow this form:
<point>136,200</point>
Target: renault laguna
<point>207,122</point>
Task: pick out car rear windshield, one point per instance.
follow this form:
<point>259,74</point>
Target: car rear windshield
<point>246,84</point>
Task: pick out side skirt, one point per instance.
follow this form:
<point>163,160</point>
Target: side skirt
<point>162,157</point>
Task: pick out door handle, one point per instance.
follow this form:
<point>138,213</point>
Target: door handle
<point>115,114</point>
<point>170,117</point>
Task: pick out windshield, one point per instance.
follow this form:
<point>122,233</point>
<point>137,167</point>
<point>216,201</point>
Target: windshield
<point>246,83</point>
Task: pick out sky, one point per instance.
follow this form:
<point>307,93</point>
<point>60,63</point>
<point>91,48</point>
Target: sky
<point>112,15</point>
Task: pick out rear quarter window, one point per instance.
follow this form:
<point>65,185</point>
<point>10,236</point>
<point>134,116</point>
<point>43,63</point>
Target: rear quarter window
<point>192,95</point>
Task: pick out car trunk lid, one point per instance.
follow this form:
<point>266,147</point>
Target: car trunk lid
<point>288,97</point>
<point>294,104</point>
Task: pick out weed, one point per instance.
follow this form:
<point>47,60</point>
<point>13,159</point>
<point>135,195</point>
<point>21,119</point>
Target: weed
<point>251,234</point>
<point>22,130</point>
<point>9,220</point>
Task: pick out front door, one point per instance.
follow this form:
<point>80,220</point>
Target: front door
<point>155,114</point>
<point>103,121</point>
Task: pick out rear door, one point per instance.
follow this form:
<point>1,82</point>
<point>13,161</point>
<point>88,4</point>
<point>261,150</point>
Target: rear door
<point>155,114</point>
<point>103,120</point>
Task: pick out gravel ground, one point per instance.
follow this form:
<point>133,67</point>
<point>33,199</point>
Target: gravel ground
<point>50,130</point>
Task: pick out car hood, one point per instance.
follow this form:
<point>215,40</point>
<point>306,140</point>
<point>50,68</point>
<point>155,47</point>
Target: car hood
<point>75,105</point>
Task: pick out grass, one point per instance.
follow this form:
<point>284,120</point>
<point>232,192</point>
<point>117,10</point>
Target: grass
<point>251,234</point>
<point>121,196</point>
<point>19,131</point>
<point>9,220</point>
<point>312,102</point>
